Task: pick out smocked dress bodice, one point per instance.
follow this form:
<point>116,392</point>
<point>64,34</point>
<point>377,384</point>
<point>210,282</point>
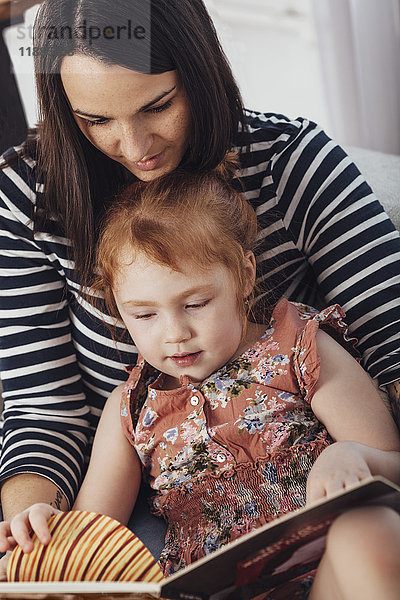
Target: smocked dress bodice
<point>233,452</point>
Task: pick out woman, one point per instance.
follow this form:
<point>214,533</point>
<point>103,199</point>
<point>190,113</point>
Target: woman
<point>132,90</point>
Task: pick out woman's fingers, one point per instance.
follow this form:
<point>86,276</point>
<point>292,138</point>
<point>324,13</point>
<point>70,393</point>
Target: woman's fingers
<point>20,529</point>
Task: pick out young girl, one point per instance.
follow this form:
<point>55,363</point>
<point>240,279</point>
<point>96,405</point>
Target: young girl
<point>234,419</point>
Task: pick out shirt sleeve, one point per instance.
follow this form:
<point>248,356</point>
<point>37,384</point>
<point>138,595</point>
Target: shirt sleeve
<point>45,418</point>
<point>348,240</point>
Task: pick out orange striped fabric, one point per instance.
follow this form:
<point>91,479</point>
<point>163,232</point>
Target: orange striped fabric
<point>85,546</point>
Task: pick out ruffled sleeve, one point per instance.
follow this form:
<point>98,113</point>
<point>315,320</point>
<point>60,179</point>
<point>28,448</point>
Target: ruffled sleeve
<point>306,360</point>
<point>134,395</point>
<point>295,327</point>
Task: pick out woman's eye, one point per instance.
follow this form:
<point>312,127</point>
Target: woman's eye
<point>144,316</point>
<point>97,122</point>
<point>154,110</point>
<point>197,304</point>
<point>158,109</point>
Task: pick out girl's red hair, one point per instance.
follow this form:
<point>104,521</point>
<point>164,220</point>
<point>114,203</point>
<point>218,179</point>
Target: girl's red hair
<point>179,217</point>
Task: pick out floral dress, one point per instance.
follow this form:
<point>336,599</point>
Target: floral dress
<point>232,453</point>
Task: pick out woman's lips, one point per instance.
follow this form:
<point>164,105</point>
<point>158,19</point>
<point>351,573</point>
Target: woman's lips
<point>150,163</point>
<point>185,360</point>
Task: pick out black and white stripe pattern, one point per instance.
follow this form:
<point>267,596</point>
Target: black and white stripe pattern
<point>324,238</point>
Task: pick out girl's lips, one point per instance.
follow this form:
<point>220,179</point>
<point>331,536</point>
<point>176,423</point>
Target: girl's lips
<point>185,360</point>
<point>150,163</point>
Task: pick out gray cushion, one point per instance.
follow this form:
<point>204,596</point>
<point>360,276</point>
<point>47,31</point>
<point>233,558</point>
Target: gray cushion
<point>382,172</point>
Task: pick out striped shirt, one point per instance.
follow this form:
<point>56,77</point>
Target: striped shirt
<point>324,238</point>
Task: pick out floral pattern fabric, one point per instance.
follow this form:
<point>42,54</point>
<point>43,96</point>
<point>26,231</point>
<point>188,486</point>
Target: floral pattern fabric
<point>234,452</point>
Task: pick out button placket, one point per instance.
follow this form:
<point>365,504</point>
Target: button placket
<point>194,401</point>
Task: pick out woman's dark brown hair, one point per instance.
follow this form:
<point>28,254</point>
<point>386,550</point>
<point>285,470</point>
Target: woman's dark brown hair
<point>79,179</point>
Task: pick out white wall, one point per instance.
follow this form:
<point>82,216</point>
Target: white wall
<point>16,37</point>
<point>273,50</point>
<point>360,53</point>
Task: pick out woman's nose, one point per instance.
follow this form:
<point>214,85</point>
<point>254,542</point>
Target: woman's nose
<point>135,141</point>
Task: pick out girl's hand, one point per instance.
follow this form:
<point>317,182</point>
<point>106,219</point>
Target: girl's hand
<point>338,467</point>
<point>3,566</point>
<point>17,532</point>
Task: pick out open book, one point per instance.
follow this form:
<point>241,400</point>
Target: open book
<point>243,569</point>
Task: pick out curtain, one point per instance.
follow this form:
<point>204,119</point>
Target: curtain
<point>359,42</point>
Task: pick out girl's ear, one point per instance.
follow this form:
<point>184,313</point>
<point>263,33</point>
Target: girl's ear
<point>250,270</point>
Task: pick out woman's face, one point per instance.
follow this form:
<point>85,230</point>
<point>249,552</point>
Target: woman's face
<point>141,121</point>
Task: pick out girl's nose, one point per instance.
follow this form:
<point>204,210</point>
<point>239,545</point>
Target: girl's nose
<point>177,331</point>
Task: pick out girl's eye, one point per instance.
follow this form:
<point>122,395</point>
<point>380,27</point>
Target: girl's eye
<point>158,109</point>
<point>197,304</point>
<point>145,316</point>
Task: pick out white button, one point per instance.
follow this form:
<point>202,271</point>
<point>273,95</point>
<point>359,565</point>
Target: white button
<point>221,457</point>
<point>194,400</point>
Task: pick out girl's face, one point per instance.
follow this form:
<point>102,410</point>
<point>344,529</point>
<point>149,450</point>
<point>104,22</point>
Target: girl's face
<point>183,322</point>
<point>141,121</point>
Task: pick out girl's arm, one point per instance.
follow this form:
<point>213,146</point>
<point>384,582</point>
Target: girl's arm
<point>112,481</point>
<point>110,487</point>
<point>394,399</point>
<point>347,403</point>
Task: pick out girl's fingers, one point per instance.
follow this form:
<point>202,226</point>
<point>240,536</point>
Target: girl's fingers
<point>315,490</point>
<point>318,487</point>
<point>33,519</point>
<point>338,484</point>
<point>38,520</point>
<point>20,529</point>
<point>5,536</point>
<point>3,566</point>
<point>334,485</point>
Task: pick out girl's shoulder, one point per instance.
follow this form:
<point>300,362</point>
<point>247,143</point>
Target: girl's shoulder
<point>292,319</point>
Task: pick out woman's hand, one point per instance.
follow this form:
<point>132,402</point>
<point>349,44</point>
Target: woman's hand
<point>339,466</point>
<point>33,519</point>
